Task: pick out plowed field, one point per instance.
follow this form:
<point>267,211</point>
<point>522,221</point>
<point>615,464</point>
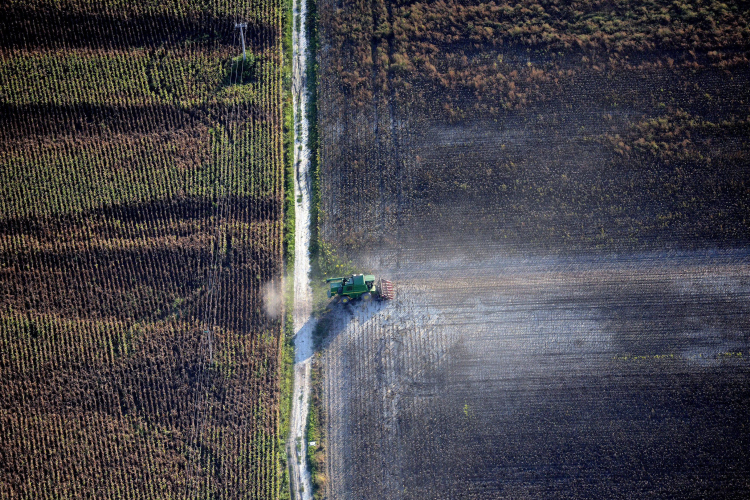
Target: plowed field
<point>561,193</point>
<point>599,378</point>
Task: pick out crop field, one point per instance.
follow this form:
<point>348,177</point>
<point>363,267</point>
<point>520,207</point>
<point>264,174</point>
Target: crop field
<point>598,378</point>
<point>543,126</point>
<point>141,218</point>
<point>561,193</point>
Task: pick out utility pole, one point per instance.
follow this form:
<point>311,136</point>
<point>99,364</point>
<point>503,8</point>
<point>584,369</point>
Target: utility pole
<point>242,27</point>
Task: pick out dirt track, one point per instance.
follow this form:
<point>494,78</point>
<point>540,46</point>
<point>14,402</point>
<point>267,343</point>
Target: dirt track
<point>304,323</point>
<point>596,377</point>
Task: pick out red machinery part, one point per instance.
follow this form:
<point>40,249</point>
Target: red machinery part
<point>386,290</point>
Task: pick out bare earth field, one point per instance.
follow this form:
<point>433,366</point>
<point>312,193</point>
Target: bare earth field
<point>601,377</point>
<point>561,192</point>
<point>545,127</point>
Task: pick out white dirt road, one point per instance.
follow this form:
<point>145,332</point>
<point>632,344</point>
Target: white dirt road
<point>304,323</point>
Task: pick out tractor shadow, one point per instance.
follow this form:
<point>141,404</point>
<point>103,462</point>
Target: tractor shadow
<point>303,341</point>
<point>338,316</point>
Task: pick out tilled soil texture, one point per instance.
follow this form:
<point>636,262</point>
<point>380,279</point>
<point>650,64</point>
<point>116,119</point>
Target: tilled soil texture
<point>546,378</point>
<point>561,192</point>
<point>140,227</point>
<point>541,126</point>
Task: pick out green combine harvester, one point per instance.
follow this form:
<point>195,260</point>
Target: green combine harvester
<point>359,285</point>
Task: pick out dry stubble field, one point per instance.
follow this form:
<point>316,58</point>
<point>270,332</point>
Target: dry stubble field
<point>544,378</point>
<point>560,191</point>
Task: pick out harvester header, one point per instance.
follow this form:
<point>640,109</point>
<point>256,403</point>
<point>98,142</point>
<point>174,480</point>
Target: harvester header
<point>360,285</point>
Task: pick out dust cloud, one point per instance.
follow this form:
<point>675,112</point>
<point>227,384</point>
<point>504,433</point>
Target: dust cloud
<point>273,299</point>
<point>582,376</point>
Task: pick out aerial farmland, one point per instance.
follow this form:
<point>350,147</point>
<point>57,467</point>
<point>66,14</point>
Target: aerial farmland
<point>374,250</point>
<point>141,216</point>
<point>559,191</point>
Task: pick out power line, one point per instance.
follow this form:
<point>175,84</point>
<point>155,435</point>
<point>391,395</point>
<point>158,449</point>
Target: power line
<point>211,302</point>
<point>242,27</point>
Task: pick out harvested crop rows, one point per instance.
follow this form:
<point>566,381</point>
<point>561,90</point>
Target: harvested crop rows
<point>598,378</point>
<point>141,183</point>
<point>561,192</point>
